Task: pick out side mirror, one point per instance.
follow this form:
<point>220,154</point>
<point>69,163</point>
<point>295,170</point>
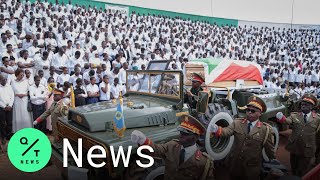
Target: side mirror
<point>202,103</point>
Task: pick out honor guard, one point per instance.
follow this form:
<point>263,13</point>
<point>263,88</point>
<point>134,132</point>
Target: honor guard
<point>191,95</point>
<point>302,143</point>
<point>183,159</point>
<point>59,108</point>
<point>250,137</point>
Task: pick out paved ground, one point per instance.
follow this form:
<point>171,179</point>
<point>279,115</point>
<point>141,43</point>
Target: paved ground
<point>9,172</point>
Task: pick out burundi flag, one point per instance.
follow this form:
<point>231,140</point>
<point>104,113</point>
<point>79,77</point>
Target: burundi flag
<point>118,120</point>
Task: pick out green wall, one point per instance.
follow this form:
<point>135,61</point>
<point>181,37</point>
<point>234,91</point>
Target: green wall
<point>140,10</point>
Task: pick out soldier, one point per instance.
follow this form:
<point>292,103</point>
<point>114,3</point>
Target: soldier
<point>183,159</point>
<point>58,109</point>
<point>302,144</point>
<point>190,96</point>
<point>251,135</point>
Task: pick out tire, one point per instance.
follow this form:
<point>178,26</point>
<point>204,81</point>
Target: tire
<point>155,172</point>
<point>217,147</point>
<point>276,140</point>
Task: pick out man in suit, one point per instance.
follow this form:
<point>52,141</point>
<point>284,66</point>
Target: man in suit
<point>250,136</point>
<point>303,142</point>
<point>183,159</point>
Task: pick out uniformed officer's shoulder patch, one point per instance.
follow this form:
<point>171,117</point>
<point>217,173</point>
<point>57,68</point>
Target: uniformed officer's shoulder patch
<point>198,155</point>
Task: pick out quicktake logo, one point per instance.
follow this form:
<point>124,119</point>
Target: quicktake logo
<point>29,150</point>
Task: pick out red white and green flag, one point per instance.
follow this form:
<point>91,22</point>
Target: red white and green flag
<point>217,70</point>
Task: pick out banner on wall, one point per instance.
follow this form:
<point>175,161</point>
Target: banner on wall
<point>124,10</point>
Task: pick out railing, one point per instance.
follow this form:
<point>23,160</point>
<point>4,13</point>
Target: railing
<point>314,174</point>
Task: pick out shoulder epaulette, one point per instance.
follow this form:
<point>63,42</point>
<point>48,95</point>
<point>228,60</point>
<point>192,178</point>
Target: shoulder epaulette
<point>268,125</point>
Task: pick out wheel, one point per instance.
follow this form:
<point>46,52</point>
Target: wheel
<point>155,172</point>
<point>217,147</point>
<point>276,140</point>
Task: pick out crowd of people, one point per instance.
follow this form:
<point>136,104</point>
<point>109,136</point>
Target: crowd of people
<point>45,46</point>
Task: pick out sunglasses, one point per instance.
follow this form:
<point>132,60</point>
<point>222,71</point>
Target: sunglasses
<point>251,111</point>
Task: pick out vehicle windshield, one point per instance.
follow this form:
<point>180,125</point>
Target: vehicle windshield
<point>158,83</point>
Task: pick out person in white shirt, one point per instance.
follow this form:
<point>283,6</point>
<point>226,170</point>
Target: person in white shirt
<point>104,89</point>
<point>314,77</point>
<point>59,59</point>
<point>64,77</point>
<point>123,73</point>
<point>95,61</point>
<point>6,104</point>
<point>299,78</point>
<point>74,77</point>
<point>93,91</point>
<point>38,96</point>
<point>43,63</point>
<point>26,63</point>
<point>115,90</point>
<point>43,80</point>
<point>52,74</point>
<point>7,70</point>
<point>50,40</point>
<point>28,77</point>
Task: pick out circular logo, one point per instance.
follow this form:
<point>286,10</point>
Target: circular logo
<point>29,150</point>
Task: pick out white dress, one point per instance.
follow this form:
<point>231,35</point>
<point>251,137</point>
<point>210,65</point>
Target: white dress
<point>21,117</point>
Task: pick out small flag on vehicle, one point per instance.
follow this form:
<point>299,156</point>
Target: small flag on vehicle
<point>118,120</point>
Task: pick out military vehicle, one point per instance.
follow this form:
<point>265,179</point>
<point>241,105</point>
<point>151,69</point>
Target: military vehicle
<point>152,104</point>
<point>230,83</point>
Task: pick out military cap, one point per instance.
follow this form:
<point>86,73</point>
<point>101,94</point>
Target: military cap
<point>58,91</point>
<point>258,103</point>
<point>309,98</point>
<point>197,77</point>
<point>191,125</point>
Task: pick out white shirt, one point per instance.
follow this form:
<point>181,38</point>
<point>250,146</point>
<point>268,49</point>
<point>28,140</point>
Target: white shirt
<point>63,78</point>
<point>308,115</point>
<point>189,151</point>
<point>252,124</point>
<point>59,61</point>
<point>104,96</point>
<point>6,96</point>
<point>115,90</point>
<point>37,94</point>
<point>73,79</point>
<point>92,88</point>
<point>122,76</point>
